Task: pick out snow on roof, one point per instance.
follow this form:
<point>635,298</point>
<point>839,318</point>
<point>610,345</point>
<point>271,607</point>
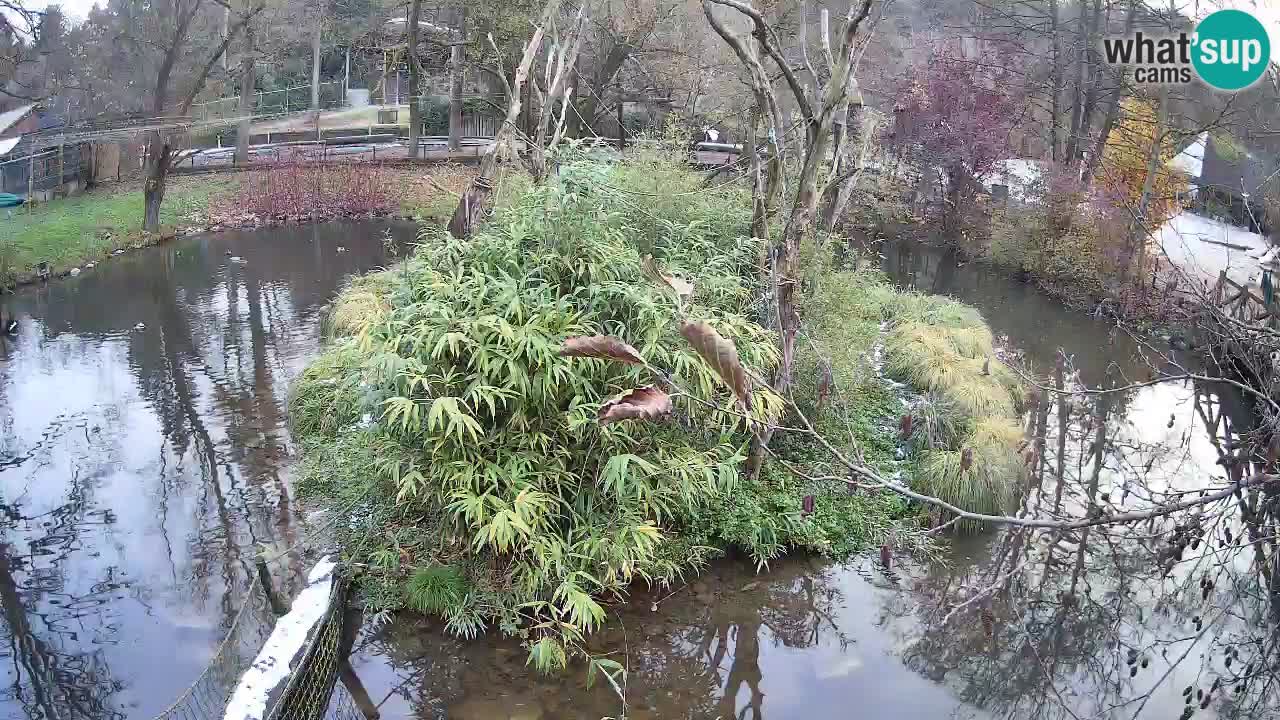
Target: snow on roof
<point>13,116</point>
<point>8,144</point>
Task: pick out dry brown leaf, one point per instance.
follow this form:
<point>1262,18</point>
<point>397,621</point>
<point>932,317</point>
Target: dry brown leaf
<point>642,403</point>
<point>682,288</point>
<point>825,381</point>
<point>604,347</point>
<point>722,355</point>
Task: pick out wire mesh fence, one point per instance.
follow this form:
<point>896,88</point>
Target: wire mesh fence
<point>269,103</point>
<point>308,694</point>
<point>310,687</point>
<point>30,170</point>
<point>206,697</point>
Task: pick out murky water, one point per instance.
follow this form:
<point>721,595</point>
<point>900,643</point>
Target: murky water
<point>143,454</point>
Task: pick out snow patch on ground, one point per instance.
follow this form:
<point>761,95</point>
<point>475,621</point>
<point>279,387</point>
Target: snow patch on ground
<point>272,665</point>
<point>1203,247</point>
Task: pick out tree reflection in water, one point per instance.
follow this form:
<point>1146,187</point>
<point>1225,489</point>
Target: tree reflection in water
<point>1167,621</point>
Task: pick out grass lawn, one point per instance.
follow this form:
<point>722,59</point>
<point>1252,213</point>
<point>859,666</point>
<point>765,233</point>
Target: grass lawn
<point>69,232</point>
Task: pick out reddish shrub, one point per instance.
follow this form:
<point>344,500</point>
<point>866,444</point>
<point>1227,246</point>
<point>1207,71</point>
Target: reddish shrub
<point>298,192</point>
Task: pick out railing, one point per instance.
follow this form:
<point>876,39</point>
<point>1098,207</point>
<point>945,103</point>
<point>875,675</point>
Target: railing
<point>272,102</point>
<point>1239,302</point>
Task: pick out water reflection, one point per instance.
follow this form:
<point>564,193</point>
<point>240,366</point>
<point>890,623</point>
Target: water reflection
<point>802,641</point>
<point>143,451</point>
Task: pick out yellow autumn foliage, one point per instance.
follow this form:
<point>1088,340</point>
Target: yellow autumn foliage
<point>1124,163</point>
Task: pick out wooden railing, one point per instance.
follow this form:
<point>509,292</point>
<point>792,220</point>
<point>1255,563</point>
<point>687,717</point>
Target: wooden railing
<point>1242,302</point>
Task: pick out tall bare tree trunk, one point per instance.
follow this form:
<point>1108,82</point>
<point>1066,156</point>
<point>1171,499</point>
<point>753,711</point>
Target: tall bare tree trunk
<point>848,145</point>
<point>415,104</point>
<point>1078,83</point>
<point>315,57</point>
<point>1055,81</point>
<point>475,201</point>
<point>248,84</point>
<point>1113,110</point>
<point>156,167</point>
<point>455,95</point>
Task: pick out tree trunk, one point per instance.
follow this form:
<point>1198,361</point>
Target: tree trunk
<point>1095,78</point>
<point>848,145</point>
<point>759,208</point>
<point>475,201</point>
<point>455,96</point>
<point>1055,81</point>
<point>1140,228</point>
<point>315,58</point>
<point>1113,112</point>
<point>248,85</point>
<point>157,172</point>
<point>1078,90</point>
<point>415,104</point>
<point>386,78</point>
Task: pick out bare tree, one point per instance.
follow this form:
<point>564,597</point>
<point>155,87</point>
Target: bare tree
<point>559,65</point>
<point>176,21</point>
<point>817,118</point>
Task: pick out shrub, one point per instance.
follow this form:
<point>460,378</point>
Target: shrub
<point>1123,169</point>
<point>1023,240</point>
<point>303,192</point>
<point>491,462</point>
<point>984,474</point>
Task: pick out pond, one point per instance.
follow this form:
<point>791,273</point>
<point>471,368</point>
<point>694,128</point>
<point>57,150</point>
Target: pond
<point>144,456</point>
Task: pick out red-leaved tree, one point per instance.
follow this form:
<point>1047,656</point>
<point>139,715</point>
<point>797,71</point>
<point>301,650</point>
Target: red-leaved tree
<point>954,118</point>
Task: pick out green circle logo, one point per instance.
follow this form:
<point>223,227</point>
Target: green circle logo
<point>1232,50</point>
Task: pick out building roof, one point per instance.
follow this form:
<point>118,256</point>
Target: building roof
<point>11,118</point>
<point>7,144</point>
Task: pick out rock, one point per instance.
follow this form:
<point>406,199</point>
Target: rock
<point>74,272</point>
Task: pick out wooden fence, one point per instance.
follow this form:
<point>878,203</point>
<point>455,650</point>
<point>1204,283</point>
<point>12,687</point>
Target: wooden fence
<point>1244,303</point>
